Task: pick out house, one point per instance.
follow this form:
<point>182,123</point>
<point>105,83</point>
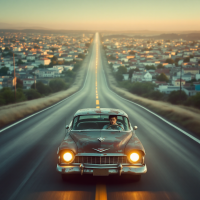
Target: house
<point>164,71</point>
<point>48,73</point>
<point>192,70</point>
<point>28,82</point>
<point>167,88</point>
<point>43,61</point>
<point>147,77</point>
<point>197,77</point>
<point>30,57</point>
<point>8,81</point>
<point>125,77</point>
<point>141,76</point>
<point>191,91</point>
<point>178,82</point>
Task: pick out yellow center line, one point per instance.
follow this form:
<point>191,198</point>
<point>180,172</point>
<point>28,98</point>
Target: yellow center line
<point>97,102</point>
<point>101,193</point>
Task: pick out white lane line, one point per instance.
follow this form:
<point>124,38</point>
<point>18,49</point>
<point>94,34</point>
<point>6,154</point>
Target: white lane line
<point>50,106</point>
<point>177,128</point>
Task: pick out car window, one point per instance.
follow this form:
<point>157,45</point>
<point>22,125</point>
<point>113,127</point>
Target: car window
<point>84,122</point>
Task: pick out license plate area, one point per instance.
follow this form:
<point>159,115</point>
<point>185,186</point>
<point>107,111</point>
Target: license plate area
<point>100,172</point>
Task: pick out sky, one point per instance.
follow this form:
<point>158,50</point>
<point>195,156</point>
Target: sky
<point>156,15</point>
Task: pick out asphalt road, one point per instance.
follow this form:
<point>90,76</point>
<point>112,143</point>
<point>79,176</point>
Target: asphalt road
<point>28,152</point>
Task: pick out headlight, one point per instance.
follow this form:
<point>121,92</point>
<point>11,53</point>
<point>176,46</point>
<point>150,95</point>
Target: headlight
<point>134,157</point>
<point>68,157</point>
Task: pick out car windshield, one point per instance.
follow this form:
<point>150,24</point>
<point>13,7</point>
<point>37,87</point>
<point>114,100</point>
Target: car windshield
<point>83,122</point>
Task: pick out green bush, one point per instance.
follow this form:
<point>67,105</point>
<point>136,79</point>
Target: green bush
<point>177,97</point>
<point>141,88</point>
<point>57,85</point>
<point>194,101</point>
<point>32,94</point>
<point>41,88</point>
<point>155,95</point>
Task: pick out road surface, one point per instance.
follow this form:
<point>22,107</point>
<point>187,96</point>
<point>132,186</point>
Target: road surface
<point>28,152</point>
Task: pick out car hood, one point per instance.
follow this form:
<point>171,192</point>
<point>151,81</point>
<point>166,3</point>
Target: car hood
<point>114,141</point>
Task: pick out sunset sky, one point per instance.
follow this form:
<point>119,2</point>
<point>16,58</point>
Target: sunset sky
<point>102,14</point>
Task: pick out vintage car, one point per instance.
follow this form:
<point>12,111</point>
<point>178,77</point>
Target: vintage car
<point>89,149</point>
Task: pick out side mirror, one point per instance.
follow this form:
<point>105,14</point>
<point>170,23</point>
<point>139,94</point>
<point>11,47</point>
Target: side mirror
<point>67,126</point>
<point>135,127</point>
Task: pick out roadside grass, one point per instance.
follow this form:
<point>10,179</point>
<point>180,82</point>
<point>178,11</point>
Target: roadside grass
<point>13,112</point>
<point>187,117</point>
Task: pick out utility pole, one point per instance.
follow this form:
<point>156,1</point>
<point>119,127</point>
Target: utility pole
<point>180,81</point>
<point>15,82</point>
<point>34,81</point>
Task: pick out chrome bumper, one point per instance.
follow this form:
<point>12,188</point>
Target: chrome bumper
<point>112,169</point>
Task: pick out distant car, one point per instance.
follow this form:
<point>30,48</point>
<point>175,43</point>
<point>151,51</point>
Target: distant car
<point>89,149</point>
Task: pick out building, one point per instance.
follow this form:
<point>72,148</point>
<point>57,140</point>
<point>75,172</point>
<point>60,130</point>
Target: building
<point>8,81</point>
<point>125,77</point>
<point>27,83</point>
<point>46,73</point>
<point>43,61</point>
<point>178,81</point>
<point>167,88</point>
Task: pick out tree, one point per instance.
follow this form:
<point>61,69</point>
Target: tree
<point>53,49</point>
<point>20,95</point>
<point>111,57</point>
<point>170,61</point>
<point>19,83</point>
<point>150,67</point>
<point>57,85</point>
<point>81,55</point>
<point>41,66</point>
<point>159,44</point>
<point>6,49</point>
<point>122,70</point>
<point>87,44</point>
<point>187,59</point>
<point>41,88</point>
<point>194,101</point>
<point>141,88</point>
<point>176,97</point>
<point>162,77</point>
<point>36,47</point>
<point>54,58</point>
<point>32,94</point>
<point>7,95</point>
<point>160,66</point>
<point>156,95</point>
<point>119,77</point>
<point>131,53</point>
<point>3,71</point>
<point>19,62</point>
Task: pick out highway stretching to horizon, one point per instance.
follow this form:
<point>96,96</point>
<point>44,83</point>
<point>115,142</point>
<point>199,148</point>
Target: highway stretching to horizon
<point>28,152</point>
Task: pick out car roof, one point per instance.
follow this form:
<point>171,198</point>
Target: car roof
<point>102,111</point>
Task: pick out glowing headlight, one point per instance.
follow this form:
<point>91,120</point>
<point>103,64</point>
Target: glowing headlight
<point>134,157</point>
<point>68,157</point>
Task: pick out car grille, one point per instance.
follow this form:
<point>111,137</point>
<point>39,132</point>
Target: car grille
<point>101,159</point>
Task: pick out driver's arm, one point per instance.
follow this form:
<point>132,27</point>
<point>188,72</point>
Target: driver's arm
<point>105,126</point>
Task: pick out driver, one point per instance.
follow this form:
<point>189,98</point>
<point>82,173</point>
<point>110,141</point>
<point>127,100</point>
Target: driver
<point>113,123</point>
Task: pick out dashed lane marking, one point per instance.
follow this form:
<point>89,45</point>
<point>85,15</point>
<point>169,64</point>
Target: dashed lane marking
<point>101,193</point>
